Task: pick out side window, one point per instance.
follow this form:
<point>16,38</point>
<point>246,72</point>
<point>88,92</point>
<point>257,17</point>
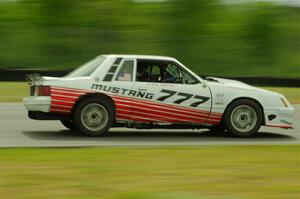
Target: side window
<point>162,72</point>
<point>154,73</point>
<point>171,74</point>
<point>126,71</point>
<point>188,78</point>
<point>143,70</point>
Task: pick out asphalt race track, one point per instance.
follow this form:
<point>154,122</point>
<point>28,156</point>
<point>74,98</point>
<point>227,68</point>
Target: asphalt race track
<point>17,130</point>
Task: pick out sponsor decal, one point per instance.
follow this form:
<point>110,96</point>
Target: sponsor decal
<point>122,91</point>
<point>181,97</point>
<point>219,98</point>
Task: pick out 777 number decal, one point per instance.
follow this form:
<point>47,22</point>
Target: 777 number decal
<point>182,97</point>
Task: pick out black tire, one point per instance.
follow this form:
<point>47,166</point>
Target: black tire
<point>69,124</point>
<point>243,118</point>
<point>94,116</point>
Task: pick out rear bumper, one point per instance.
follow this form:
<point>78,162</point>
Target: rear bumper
<point>37,103</point>
<point>38,115</point>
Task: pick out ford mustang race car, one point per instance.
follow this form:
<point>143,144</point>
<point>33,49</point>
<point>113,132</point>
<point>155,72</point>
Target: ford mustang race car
<point>139,91</point>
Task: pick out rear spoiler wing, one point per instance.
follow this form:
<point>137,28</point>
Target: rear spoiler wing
<point>34,79</point>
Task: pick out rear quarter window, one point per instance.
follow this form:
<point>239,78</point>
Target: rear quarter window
<point>88,68</point>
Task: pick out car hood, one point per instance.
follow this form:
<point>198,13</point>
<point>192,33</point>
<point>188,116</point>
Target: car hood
<point>228,82</point>
<point>234,84</point>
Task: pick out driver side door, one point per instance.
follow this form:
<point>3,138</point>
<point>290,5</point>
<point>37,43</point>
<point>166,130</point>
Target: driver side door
<point>178,97</point>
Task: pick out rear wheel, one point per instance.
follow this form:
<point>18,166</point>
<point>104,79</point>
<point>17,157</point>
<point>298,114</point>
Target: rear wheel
<point>94,116</point>
<point>243,118</point>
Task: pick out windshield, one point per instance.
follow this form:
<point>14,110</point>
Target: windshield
<point>88,68</point>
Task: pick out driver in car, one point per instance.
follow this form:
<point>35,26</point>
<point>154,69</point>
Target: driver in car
<point>142,74</point>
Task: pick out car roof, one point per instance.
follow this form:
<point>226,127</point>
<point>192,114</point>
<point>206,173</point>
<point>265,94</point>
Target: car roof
<point>142,57</point>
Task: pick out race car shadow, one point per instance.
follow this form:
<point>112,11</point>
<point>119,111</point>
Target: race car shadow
<point>142,135</point>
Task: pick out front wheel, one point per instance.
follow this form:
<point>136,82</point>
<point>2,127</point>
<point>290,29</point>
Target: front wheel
<point>243,118</point>
<point>94,116</point>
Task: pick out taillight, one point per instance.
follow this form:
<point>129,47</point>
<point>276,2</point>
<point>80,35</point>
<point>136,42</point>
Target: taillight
<point>40,91</point>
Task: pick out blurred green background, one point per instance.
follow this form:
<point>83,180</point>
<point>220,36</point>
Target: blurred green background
<point>209,36</point>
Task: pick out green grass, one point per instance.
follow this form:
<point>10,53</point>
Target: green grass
<point>151,173</point>
<point>14,91</point>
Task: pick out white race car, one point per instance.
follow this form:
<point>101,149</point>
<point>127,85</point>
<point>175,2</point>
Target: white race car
<point>138,91</point>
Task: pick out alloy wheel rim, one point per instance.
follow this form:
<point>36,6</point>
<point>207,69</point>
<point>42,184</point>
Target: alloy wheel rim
<point>243,118</point>
<point>94,117</point>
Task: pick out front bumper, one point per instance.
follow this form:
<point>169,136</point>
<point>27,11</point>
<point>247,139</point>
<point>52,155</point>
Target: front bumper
<point>284,117</point>
<point>37,103</point>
